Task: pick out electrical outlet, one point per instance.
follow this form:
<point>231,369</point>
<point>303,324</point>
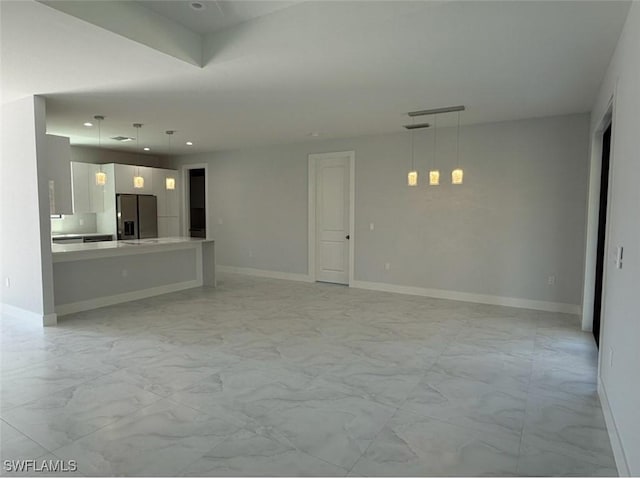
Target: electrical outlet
<point>551,280</point>
<point>387,266</point>
<point>81,222</point>
<point>125,273</point>
<point>7,282</point>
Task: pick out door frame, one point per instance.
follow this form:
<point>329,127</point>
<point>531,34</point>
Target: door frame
<point>186,220</point>
<point>593,210</point>
<point>314,158</point>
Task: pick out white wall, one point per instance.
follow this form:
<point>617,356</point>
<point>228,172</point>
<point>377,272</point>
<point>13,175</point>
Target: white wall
<point>26,250</point>
<point>620,333</point>
<point>518,219</point>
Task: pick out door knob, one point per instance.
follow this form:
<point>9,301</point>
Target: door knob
<point>348,237</point>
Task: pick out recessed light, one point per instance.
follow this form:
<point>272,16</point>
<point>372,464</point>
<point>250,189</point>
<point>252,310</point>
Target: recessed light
<point>315,134</point>
<point>189,143</point>
<point>88,124</point>
<point>197,6</point>
<point>146,148</point>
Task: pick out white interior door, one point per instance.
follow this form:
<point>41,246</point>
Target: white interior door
<point>332,220</point>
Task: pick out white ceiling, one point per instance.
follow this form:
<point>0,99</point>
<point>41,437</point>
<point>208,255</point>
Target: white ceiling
<point>216,14</point>
<point>338,68</point>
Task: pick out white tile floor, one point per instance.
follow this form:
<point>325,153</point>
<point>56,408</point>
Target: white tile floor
<point>267,377</point>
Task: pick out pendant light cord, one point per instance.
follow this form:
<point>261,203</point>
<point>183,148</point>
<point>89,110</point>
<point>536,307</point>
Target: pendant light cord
<point>413,163</point>
<point>435,140</point>
<point>458,143</point>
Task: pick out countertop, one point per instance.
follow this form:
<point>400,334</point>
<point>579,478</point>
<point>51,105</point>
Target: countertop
<point>77,251</point>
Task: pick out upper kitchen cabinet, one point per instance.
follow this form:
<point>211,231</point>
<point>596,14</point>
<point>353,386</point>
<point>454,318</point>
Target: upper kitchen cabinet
<point>165,187</point>
<point>125,175</point>
<point>57,156</point>
<point>88,195</point>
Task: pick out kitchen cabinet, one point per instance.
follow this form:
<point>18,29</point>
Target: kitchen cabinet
<point>57,161</point>
<point>124,179</point>
<point>168,202</point>
<point>168,226</point>
<point>88,197</point>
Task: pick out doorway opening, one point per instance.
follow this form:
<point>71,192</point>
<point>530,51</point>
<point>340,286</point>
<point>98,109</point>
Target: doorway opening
<point>331,217</point>
<point>197,203</point>
<point>602,229</point>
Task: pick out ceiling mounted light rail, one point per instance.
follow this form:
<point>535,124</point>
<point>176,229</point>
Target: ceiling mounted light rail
<point>417,126</point>
<point>436,111</point>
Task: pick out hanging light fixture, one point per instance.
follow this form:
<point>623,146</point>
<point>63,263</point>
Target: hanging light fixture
<point>412,176</point>
<point>138,181</point>
<point>170,182</point>
<point>101,176</point>
<point>457,174</point>
<point>434,174</point>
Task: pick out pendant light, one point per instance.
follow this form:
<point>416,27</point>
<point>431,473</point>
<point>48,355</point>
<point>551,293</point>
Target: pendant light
<point>434,174</point>
<point>101,176</point>
<point>412,177</point>
<point>138,181</point>
<point>457,174</point>
<point>169,181</point>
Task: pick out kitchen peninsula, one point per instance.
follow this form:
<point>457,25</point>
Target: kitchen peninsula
<point>93,275</point>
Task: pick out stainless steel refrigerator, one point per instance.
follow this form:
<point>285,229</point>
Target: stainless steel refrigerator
<point>137,216</point>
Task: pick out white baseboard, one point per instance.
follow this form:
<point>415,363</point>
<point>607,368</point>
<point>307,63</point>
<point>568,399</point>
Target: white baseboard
<point>264,273</point>
<point>614,435</point>
<point>19,313</point>
<point>69,308</point>
<point>469,297</point>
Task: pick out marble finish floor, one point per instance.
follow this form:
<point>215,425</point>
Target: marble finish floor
<point>276,378</point>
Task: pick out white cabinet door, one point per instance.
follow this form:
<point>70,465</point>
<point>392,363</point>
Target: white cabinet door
<point>57,158</point>
<point>125,175</point>
<point>163,227</point>
<point>124,179</point>
<point>168,199</point>
<point>80,187</point>
<point>173,226</point>
<point>88,196</point>
<point>96,191</point>
<point>147,175</point>
<point>172,196</point>
<point>159,190</point>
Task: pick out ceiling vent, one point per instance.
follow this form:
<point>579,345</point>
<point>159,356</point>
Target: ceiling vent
<point>122,138</point>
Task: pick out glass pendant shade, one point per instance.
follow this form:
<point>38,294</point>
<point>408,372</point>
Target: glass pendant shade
<point>170,183</point>
<point>101,178</point>
<point>434,177</point>
<point>456,176</point>
<point>412,178</point>
<point>138,182</point>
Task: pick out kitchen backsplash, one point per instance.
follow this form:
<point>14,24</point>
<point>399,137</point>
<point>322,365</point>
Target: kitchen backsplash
<point>80,223</point>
